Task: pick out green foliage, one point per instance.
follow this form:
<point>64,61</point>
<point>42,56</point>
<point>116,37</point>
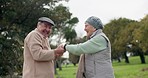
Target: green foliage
<point>116,31</point>
<point>10,60</point>
<point>17,19</point>
<point>141,32</point>
<point>123,32</point>
<point>70,34</point>
<point>63,19</point>
<point>65,23</point>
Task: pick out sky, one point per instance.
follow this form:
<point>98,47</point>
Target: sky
<point>106,10</point>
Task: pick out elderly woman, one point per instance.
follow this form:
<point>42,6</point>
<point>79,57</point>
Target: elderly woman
<point>95,60</point>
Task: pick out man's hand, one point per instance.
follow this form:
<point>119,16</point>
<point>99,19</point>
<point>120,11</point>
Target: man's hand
<point>63,46</point>
<point>59,51</point>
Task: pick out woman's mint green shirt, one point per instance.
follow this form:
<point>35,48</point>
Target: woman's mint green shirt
<point>93,45</point>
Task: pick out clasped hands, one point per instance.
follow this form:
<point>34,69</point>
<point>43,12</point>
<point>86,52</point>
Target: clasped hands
<point>59,51</point>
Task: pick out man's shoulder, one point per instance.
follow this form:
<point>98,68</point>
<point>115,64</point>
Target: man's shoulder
<point>33,33</point>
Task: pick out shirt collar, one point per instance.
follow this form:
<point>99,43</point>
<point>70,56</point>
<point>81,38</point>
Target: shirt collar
<point>96,32</point>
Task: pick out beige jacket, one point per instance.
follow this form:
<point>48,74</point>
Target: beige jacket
<point>38,57</point>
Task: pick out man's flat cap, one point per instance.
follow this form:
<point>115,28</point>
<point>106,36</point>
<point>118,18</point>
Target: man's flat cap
<point>45,19</point>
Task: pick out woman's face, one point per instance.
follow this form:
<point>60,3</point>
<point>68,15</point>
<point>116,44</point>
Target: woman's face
<point>44,28</point>
<point>89,29</point>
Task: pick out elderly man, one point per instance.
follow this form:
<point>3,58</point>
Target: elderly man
<point>38,56</point>
<point>95,61</point>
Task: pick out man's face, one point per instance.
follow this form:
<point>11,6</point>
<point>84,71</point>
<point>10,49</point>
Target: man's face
<point>89,29</point>
<point>45,28</point>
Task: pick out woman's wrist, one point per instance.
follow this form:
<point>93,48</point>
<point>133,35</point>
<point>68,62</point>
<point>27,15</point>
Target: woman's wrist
<point>65,47</point>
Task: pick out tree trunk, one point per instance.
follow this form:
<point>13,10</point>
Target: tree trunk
<point>119,59</point>
<point>59,62</point>
<point>142,58</point>
<point>126,57</point>
<point>55,66</point>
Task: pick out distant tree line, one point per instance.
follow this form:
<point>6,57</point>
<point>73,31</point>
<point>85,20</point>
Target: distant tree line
<point>128,35</point>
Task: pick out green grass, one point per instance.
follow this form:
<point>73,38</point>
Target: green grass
<point>67,72</point>
<point>132,70</point>
<point>121,70</point>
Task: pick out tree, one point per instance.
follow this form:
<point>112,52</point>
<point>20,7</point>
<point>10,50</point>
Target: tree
<point>65,24</point>
<point>18,18</point>
<point>113,30</point>
<point>136,49</point>
<point>141,32</point>
<point>140,39</point>
<point>124,32</point>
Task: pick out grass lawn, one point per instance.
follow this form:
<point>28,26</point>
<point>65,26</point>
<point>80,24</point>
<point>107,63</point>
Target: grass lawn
<point>121,70</point>
<point>67,72</point>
